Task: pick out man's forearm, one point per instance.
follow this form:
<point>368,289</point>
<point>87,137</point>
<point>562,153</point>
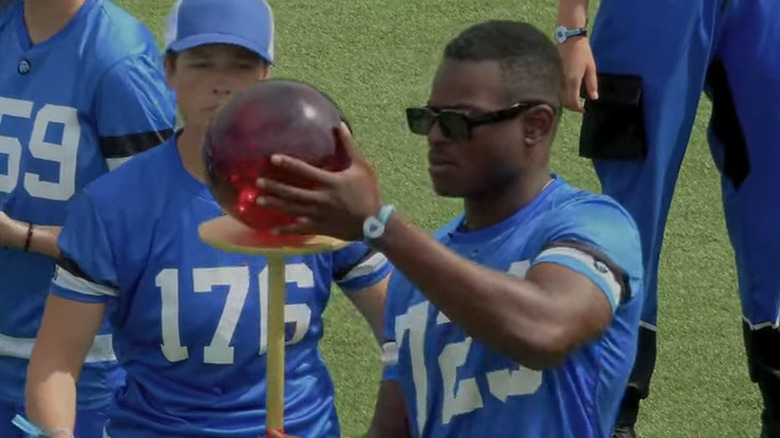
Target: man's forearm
<point>573,13</point>
<point>514,316</point>
<point>66,334</point>
<point>51,401</point>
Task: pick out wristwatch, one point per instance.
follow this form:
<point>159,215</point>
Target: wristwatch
<point>562,33</point>
<point>374,226</point>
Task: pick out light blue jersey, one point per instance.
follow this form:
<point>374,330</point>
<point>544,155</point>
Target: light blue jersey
<point>456,386</point>
<point>190,320</point>
<point>71,108</point>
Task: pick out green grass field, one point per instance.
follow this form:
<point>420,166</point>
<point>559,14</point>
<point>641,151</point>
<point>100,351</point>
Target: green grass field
<point>375,57</point>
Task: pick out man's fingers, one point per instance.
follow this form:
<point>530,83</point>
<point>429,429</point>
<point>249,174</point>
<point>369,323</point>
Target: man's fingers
<point>290,208</point>
<point>592,82</point>
<point>302,169</point>
<point>302,225</point>
<point>571,95</point>
<point>290,193</point>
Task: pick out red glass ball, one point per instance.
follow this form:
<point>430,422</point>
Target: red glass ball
<point>275,116</point>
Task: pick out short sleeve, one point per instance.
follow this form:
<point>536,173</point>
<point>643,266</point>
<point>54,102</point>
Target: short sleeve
<point>86,270</point>
<point>596,238</point>
<point>357,266</point>
<point>135,108</point>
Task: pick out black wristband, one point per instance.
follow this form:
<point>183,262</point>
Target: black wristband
<point>29,237</point>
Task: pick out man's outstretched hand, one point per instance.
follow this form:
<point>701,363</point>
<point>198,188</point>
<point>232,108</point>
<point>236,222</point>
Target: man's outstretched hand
<point>340,201</point>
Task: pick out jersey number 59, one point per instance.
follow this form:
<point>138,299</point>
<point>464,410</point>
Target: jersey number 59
<point>62,153</point>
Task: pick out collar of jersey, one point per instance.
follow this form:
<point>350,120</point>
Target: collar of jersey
<point>497,230</point>
<point>24,36</point>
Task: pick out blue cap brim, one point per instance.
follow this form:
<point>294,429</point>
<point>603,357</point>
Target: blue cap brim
<point>218,38</point>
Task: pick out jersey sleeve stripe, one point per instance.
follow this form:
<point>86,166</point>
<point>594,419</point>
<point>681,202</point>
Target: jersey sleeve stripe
<point>338,275</point>
<point>80,285</point>
<point>367,267</point>
<point>620,274</point>
<point>102,349</point>
<point>586,264</point>
<point>128,145</point>
<point>113,163</point>
<point>80,297</point>
<point>71,266</point>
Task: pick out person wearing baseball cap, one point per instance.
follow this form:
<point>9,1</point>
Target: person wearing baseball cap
<point>188,319</point>
<point>247,23</point>
<point>214,48</point>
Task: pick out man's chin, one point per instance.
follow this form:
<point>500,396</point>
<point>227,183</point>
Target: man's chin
<point>446,192</point>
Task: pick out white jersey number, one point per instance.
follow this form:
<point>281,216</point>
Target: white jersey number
<point>63,153</point>
<point>219,351</point>
<point>460,396</point>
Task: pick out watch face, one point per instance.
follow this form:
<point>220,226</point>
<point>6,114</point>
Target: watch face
<point>373,228</point>
<point>560,34</point>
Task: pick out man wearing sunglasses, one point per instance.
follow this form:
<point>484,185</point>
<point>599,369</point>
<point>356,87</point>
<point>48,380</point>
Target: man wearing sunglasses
<point>518,318</point>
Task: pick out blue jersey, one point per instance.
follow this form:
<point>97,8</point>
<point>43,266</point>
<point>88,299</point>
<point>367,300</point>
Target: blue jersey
<point>71,108</point>
<point>189,320</point>
<point>456,386</point>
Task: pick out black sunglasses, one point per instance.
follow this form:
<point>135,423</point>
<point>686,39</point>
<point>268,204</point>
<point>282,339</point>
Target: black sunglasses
<point>457,124</point>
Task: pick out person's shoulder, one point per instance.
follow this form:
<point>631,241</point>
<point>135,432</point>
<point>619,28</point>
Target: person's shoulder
<point>584,206</point>
<point>599,222</point>
<point>596,220</point>
<point>114,38</point>
<point>125,30</point>
<point>143,174</point>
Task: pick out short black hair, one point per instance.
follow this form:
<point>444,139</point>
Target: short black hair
<point>528,58</point>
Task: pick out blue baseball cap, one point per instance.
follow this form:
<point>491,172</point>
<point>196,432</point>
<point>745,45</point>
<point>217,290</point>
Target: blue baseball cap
<point>245,23</point>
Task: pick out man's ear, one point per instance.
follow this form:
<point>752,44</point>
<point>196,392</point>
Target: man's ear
<point>265,71</point>
<point>539,124</point>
